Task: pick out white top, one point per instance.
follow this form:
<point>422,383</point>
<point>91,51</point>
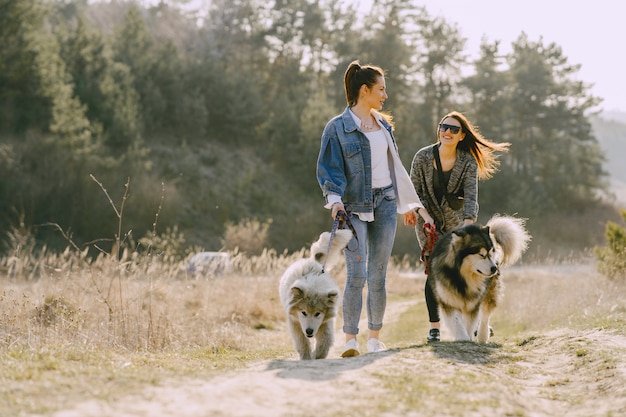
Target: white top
<point>381,177</point>
<point>406,197</point>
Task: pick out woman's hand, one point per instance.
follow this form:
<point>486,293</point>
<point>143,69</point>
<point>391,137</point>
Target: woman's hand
<point>336,208</point>
<point>468,221</point>
<point>426,216</point>
<point>410,218</point>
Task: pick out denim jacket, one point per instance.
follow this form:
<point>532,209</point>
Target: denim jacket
<point>344,166</point>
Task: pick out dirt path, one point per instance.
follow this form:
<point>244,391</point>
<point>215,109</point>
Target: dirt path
<point>562,373</point>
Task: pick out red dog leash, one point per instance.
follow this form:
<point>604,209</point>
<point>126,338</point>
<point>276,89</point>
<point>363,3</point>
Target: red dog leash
<point>430,231</point>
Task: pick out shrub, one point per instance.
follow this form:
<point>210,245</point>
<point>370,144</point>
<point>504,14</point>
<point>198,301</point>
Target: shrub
<point>249,236</point>
<point>171,244</point>
<point>612,258</point>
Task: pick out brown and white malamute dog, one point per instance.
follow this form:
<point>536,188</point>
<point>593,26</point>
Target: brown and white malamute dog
<point>309,296</point>
<point>465,273</point>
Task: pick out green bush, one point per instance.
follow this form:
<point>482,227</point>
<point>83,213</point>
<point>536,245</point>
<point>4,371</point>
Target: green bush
<point>612,258</point>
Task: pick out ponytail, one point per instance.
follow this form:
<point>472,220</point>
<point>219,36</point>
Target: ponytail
<point>357,75</point>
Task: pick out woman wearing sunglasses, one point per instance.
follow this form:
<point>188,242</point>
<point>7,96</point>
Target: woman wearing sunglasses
<point>445,176</point>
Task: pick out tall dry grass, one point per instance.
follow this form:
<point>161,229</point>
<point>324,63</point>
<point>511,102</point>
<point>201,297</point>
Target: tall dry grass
<point>142,301</point>
<point>138,302</point>
<point>145,302</point>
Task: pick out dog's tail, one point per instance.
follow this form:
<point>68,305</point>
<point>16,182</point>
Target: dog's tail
<point>329,257</point>
<point>511,235</point>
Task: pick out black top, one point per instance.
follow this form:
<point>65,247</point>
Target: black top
<point>438,187</point>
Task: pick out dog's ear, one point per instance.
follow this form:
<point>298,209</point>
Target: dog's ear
<point>456,237</point>
<point>296,294</point>
<point>332,296</point>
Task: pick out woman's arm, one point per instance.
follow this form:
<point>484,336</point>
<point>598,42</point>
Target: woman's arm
<point>330,167</point>
<point>417,180</point>
<point>470,192</point>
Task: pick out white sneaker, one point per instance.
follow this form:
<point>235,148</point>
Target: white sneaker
<point>375,345</point>
<point>350,349</point>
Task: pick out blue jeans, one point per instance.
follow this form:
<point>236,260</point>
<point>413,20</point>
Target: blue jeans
<point>368,263</point>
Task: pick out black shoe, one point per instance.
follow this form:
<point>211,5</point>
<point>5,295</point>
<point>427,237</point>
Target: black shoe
<point>433,335</point>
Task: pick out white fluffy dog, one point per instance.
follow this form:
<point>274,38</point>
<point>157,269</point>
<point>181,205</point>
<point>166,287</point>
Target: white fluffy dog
<point>309,295</point>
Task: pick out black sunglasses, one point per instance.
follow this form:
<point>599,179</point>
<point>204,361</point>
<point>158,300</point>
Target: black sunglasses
<point>454,129</point>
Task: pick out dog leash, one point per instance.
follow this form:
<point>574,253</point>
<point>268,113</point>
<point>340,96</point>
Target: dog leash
<point>430,231</point>
<point>342,219</point>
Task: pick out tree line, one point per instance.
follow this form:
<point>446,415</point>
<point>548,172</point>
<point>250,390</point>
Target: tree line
<point>196,122</point>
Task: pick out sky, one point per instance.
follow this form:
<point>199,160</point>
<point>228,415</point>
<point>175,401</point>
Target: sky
<point>591,33</point>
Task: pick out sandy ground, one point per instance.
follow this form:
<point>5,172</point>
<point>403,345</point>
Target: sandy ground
<point>561,373</point>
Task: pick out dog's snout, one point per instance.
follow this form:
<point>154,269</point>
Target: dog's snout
<point>309,332</point>
<point>494,269</point>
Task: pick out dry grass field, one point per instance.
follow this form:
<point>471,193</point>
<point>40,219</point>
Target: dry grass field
<point>140,337</point>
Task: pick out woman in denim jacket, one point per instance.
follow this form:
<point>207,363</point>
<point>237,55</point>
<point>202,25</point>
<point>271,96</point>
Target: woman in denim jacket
<point>360,171</point>
<point>466,156</point>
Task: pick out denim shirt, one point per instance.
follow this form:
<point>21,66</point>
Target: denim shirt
<point>344,165</point>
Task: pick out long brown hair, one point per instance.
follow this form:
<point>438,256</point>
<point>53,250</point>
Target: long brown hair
<point>482,149</point>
